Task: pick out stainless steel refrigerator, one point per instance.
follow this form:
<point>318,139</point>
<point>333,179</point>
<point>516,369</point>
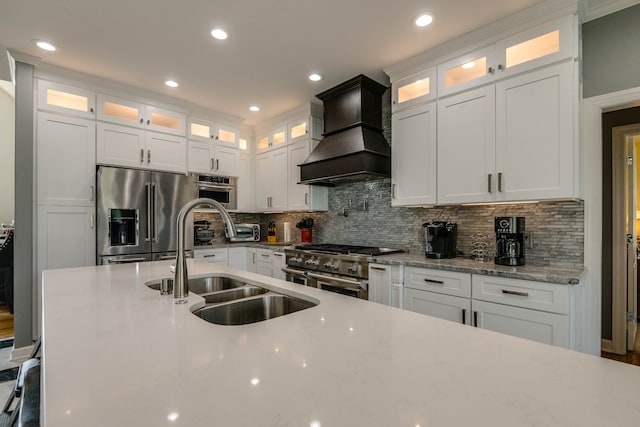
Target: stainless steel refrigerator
<point>137,212</point>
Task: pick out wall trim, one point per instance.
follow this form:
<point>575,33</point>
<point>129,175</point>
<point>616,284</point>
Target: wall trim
<point>592,109</point>
<point>20,354</point>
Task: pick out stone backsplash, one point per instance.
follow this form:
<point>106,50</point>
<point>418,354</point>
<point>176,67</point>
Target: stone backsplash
<point>556,228</point>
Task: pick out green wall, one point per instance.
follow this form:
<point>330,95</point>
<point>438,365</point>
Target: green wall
<point>611,52</point>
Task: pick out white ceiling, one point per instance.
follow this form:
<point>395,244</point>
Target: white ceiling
<point>272,47</point>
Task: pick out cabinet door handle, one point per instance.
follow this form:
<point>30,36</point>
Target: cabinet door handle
<point>92,221</point>
<point>217,164</point>
<point>253,258</point>
<point>277,254</point>
<point>217,137</point>
<point>393,191</point>
<point>148,156</point>
<point>148,122</point>
<point>211,167</point>
<point>500,181</point>
<point>491,70</point>
<point>91,110</point>
<point>92,192</point>
<point>265,255</point>
<point>141,120</point>
<point>501,67</point>
<point>516,293</point>
<point>141,155</point>
<point>464,316</point>
<point>437,282</point>
<point>475,319</point>
<point>490,186</point>
<point>213,136</point>
<point>378,268</point>
<point>306,199</point>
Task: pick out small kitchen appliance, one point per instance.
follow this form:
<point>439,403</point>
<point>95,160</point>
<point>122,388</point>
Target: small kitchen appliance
<point>440,239</point>
<point>509,240</point>
<point>203,234</point>
<point>244,233</point>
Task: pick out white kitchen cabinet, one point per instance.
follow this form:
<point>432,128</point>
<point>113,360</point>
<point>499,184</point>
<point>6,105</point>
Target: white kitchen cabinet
<point>385,285</point>
<point>438,293</point>
<point>548,328</point>
<point>251,262</point>
<point>238,257</point>
<point>262,143</point>
<point>132,113</point>
<point>66,165</point>
<point>209,158</point>
<point>524,51</point>
<point>543,312</point>
<point>246,182</point>
<point>206,131</point>
<point>66,237</point>
<point>218,256</point>
<point>303,197</point>
<point>413,90</point>
<point>133,147</point>
<point>413,159</point>
<point>70,100</point>
<point>466,147</point>
<point>271,180</point>
<point>264,262</point>
<point>514,141</point>
<point>279,263</point>
<point>455,309</point>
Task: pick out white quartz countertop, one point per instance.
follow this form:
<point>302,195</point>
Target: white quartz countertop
<point>116,353</point>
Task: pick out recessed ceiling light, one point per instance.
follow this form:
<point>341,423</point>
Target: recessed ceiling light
<point>45,45</point>
<point>219,34</point>
<point>254,108</point>
<point>315,77</point>
<point>171,83</point>
<point>423,20</point>
<point>468,65</point>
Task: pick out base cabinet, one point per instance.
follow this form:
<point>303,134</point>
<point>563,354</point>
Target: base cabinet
<point>215,256</point>
<point>278,264</point>
<point>385,285</point>
<point>238,258</point>
<point>455,309</point>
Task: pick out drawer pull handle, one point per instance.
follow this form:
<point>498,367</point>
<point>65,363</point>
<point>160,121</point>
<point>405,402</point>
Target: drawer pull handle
<point>379,268</point>
<point>520,294</point>
<point>265,255</point>
<point>209,256</point>
<point>437,282</point>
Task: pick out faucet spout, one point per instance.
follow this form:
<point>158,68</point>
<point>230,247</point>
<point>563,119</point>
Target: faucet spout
<point>181,283</point>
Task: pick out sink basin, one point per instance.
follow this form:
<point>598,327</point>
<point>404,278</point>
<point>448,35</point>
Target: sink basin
<point>252,310</point>
<point>205,285</point>
<point>233,294</point>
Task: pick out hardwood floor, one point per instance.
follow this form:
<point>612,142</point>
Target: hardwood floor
<point>6,323</point>
<point>632,357</point>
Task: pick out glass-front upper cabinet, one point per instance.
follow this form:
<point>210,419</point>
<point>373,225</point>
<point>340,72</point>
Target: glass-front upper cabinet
<point>279,137</point>
<point>413,90</point>
<point>66,99</point>
<point>132,113</point>
<point>467,71</point>
<point>202,130</point>
<point>262,143</point>
<point>298,130</point>
<point>227,135</point>
<point>541,45</point>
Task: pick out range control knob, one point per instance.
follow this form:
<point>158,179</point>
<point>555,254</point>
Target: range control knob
<point>327,265</point>
<point>315,263</point>
<point>335,267</point>
<point>353,269</point>
<point>294,261</point>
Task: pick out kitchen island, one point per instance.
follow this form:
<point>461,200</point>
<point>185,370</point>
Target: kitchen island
<point>117,353</point>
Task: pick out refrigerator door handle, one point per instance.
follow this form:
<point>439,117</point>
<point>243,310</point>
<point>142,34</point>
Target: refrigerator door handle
<point>149,212</point>
<point>155,213</point>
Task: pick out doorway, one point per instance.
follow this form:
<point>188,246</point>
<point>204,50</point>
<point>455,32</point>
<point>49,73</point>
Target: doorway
<point>7,206</point>
<point>621,136</point>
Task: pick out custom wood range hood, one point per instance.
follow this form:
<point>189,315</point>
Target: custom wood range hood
<point>353,147</point>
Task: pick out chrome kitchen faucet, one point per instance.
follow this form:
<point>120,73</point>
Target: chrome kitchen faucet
<point>181,281</point>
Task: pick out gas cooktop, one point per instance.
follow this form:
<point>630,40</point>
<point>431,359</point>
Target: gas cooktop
<point>347,249</point>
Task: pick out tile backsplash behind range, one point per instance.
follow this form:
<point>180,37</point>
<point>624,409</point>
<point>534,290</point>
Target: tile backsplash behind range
<point>557,228</point>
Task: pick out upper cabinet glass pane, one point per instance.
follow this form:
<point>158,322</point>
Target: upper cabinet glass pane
<point>263,143</point>
<point>203,131</point>
<point>166,121</point>
<point>67,100</point>
<point>226,136</point>
<point>414,90</point>
<point>468,71</point>
<point>242,144</point>
<point>279,137</point>
<point>535,48</point>
<point>298,130</point>
<point>120,111</point>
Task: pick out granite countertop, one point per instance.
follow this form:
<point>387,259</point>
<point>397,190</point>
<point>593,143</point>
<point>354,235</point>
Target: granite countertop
<point>116,353</point>
<point>562,274</point>
<point>276,246</point>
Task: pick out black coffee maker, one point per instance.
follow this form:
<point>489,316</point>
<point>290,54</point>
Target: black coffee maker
<point>440,239</point>
<point>509,240</point>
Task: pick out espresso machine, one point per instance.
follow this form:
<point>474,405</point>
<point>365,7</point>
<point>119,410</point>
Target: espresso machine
<point>440,239</point>
<point>509,240</point>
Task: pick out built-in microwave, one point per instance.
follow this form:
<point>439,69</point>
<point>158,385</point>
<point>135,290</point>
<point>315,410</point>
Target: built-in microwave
<point>245,233</point>
<point>222,189</point>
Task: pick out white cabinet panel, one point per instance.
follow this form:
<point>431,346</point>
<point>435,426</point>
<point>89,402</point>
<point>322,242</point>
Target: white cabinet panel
<point>271,180</point>
<point>413,90</point>
<point>413,160</point>
<point>246,182</point>
<point>166,152</point>
<point>380,284</point>
<point>226,161</point>
<point>66,99</point>
<point>534,325</point>
<point>201,157</point>
<point>213,255</point>
<point>238,258</point>
<point>440,281</point>
<point>278,264</point>
<point>303,197</point>
<point>66,160</point>
<point>466,147</point>
<point>121,146</point>
<point>446,307</point>
<point>535,134</point>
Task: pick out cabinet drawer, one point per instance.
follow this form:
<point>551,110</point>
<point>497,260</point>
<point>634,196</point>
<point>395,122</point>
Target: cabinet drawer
<point>443,282</point>
<point>446,307</point>
<point>212,255</point>
<point>521,293</point>
<point>264,255</point>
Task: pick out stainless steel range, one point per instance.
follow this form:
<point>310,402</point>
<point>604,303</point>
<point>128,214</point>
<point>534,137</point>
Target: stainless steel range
<point>337,268</point>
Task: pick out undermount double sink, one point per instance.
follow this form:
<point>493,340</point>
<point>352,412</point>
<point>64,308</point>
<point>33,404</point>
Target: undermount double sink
<point>231,301</point>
